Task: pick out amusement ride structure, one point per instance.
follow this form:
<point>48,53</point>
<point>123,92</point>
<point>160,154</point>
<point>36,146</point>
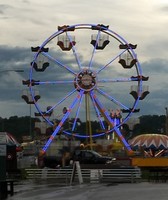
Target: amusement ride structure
<point>92,74</point>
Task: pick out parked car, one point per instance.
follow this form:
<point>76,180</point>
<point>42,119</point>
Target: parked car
<point>52,161</point>
<point>83,156</point>
<point>90,157</point>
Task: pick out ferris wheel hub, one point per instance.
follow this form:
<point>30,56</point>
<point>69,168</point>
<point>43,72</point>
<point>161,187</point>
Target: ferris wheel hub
<point>85,80</point>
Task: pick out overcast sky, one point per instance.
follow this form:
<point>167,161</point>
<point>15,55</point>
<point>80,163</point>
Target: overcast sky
<point>26,23</point>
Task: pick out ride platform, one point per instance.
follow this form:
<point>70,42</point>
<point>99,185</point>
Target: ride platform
<point>150,162</point>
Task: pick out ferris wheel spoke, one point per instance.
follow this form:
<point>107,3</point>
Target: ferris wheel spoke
<point>61,101</point>
<point>58,62</point>
<point>109,120</point>
<point>102,110</point>
<point>97,111</point>
<point>65,117</point>
<point>120,136</point>
<point>74,51</point>
<point>112,99</point>
<point>77,113</point>
<point>94,49</point>
<point>52,82</point>
<point>105,66</point>
<point>118,80</point>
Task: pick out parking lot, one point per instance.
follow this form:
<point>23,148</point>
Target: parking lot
<point>30,190</point>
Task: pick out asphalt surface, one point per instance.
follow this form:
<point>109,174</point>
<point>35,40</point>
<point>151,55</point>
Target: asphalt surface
<point>125,191</point>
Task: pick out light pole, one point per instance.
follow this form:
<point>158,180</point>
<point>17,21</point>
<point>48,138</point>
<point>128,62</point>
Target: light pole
<point>166,121</point>
<point>26,95</point>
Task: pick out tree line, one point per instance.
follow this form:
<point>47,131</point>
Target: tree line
<point>22,126</point>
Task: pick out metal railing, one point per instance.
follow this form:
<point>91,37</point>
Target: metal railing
<point>63,175</point>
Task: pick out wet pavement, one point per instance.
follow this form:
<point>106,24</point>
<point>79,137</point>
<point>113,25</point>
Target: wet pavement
<point>30,190</point>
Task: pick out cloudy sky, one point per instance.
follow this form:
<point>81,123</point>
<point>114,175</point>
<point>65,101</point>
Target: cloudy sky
<point>27,23</point>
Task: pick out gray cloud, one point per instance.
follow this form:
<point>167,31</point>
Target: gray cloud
<point>156,65</point>
<point>164,9</point>
<point>29,22</point>
<point>3,8</point>
<point>12,56</point>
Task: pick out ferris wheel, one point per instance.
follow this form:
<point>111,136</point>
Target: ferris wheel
<point>85,72</point>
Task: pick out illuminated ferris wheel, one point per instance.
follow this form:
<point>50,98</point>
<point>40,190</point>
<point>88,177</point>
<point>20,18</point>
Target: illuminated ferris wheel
<point>91,71</point>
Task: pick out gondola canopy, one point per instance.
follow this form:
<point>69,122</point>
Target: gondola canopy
<point>149,141</point>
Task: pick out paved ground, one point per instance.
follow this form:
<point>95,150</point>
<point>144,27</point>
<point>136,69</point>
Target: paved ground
<point>123,191</point>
